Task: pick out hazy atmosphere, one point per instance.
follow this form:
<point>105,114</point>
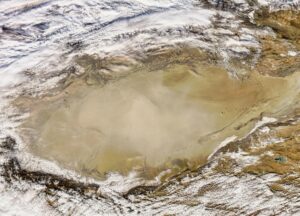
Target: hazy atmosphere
<point>149,107</point>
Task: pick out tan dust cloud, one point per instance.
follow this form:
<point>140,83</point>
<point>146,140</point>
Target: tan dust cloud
<point>147,118</point>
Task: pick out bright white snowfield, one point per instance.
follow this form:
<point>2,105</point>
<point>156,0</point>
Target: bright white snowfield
<point>149,107</point>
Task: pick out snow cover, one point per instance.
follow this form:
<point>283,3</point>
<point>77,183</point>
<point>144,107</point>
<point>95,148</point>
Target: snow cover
<point>262,122</point>
<point>222,144</point>
<point>35,37</point>
<point>292,53</point>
